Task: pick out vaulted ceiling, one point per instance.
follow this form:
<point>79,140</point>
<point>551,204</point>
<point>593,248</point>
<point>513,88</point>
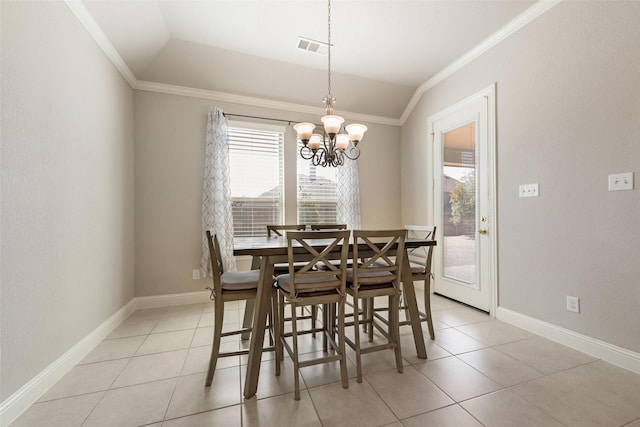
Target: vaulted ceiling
<point>382,50</point>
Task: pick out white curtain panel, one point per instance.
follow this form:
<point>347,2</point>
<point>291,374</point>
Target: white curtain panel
<point>216,194</point>
<point>348,206</point>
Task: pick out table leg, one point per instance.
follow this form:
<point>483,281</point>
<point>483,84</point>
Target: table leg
<point>262,306</point>
<point>249,305</point>
<point>412,306</point>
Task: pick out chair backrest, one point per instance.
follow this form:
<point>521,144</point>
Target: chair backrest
<point>328,226</point>
<point>388,253</point>
<point>421,255</point>
<point>323,246</point>
<point>217,267</point>
<point>278,229</point>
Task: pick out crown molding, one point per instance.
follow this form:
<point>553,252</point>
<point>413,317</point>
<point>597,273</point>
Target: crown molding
<point>85,18</point>
<point>80,11</point>
<point>255,102</point>
<point>520,21</point>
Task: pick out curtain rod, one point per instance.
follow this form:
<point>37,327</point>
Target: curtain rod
<point>260,118</point>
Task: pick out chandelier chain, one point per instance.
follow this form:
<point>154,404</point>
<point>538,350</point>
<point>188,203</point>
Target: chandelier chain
<point>329,96</point>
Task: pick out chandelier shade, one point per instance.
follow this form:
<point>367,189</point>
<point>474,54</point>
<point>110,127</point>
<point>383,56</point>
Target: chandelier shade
<point>338,141</point>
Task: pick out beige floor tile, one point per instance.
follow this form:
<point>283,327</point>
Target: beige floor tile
<point>450,416</point>
<point>166,341</point>
<point>177,323</point>
<point>459,380</point>
<point>186,309</point>
<point>568,404</point>
<point>633,424</point>
<point>544,355</point>
<point>227,417</point>
<point>68,412</point>
<point>204,336</point>
<point>206,319</point>
<point>133,406</point>
<point>409,353</point>
<point>324,373</point>
<point>134,327</point>
<point>357,406</point>
<point>198,359</point>
<point>86,379</point>
<point>409,393</point>
<point>395,424</point>
<point>153,367</point>
<point>607,383</point>
<point>149,313</point>
<point>456,342</point>
<point>499,367</point>
<point>494,332</point>
<point>441,303</point>
<point>191,396</point>
<point>505,409</point>
<point>282,411</point>
<point>407,330</point>
<point>459,316</point>
<point>269,385</point>
<point>119,348</point>
<point>375,362</point>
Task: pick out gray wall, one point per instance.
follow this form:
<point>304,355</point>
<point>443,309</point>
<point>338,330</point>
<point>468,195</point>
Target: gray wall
<point>66,171</point>
<point>568,114</point>
<point>169,151</point>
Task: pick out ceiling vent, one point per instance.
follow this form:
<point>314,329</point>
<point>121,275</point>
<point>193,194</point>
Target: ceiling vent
<point>312,46</point>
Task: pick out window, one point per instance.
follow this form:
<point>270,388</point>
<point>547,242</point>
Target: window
<point>256,164</point>
<point>317,192</point>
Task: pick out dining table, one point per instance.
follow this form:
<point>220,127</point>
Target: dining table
<point>267,251</point>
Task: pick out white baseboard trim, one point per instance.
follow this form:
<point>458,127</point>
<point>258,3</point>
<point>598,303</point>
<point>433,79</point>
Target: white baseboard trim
<point>18,402</point>
<point>169,300</point>
<point>610,353</point>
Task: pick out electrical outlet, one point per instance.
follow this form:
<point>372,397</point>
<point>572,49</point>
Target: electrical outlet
<point>621,181</point>
<point>195,274</point>
<point>573,304</point>
<point>529,190</point>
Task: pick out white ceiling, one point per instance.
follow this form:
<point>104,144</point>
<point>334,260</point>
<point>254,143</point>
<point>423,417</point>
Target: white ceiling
<point>383,50</point>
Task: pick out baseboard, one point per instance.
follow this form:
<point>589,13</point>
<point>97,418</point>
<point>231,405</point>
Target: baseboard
<point>618,356</point>
<point>18,402</point>
<point>156,301</point>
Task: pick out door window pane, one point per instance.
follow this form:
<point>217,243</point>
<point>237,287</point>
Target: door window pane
<point>459,207</point>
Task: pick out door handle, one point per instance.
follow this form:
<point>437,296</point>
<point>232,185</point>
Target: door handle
<point>482,231</point>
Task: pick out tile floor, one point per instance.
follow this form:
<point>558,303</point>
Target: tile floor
<point>150,371</point>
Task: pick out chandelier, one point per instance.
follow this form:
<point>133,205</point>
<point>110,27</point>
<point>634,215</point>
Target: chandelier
<point>331,147</point>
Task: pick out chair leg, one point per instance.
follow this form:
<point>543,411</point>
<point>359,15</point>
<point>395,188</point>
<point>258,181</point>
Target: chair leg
<point>344,374</point>
<point>370,317</point>
<point>217,332</point>
<point>356,332</point>
<point>427,307</point>
<point>394,328</point>
<point>325,325</point>
<point>296,366</point>
<point>314,316</point>
<point>247,320</point>
<point>275,308</point>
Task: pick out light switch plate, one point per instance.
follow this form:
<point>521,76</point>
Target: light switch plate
<point>621,181</point>
<point>529,190</point>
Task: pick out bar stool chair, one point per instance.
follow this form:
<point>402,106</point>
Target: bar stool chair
<point>276,230</point>
<point>317,227</point>
<point>420,263</point>
<point>306,285</point>
<point>232,286</point>
<point>375,276</point>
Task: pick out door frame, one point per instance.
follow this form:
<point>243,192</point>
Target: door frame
<point>490,94</point>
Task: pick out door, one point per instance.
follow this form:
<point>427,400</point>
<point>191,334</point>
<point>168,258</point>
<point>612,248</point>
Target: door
<point>464,207</point>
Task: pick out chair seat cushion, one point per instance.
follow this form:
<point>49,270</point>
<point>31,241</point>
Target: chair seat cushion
<point>372,278</point>
<point>284,282</point>
<point>417,268</point>
<point>240,280</point>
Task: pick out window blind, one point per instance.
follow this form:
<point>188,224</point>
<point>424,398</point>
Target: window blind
<point>317,192</point>
<point>256,165</point>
